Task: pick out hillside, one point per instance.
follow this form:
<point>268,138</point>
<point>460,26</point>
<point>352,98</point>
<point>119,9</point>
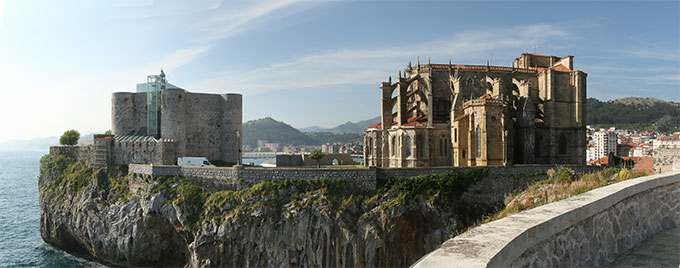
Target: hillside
<point>30,144</point>
<point>273,131</point>
<point>357,127</point>
<point>349,127</point>
<point>642,113</point>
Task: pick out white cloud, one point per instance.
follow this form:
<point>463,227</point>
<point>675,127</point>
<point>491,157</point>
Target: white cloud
<point>80,99</point>
<point>233,17</point>
<point>670,77</point>
<point>372,65</point>
<point>652,54</point>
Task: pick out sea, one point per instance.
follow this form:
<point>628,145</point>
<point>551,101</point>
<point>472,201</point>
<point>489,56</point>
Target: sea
<point>20,241</point>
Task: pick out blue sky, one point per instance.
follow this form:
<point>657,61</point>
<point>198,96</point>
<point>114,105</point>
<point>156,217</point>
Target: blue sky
<point>306,63</point>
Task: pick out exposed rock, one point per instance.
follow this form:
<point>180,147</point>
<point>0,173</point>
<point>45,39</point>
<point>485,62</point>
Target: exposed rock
<point>318,223</point>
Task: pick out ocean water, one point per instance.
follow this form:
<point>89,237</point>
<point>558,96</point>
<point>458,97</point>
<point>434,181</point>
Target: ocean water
<point>20,241</point>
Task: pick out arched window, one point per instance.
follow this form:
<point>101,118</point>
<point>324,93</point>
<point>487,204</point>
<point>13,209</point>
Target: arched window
<point>408,145</point>
<point>562,144</point>
<point>455,135</point>
<point>370,146</point>
<point>423,150</point>
<point>463,153</point>
<point>418,141</point>
<point>479,142</point>
<point>394,145</point>
<point>442,146</point>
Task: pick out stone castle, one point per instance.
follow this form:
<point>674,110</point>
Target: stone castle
<point>189,124</point>
<point>481,115</point>
<point>161,122</point>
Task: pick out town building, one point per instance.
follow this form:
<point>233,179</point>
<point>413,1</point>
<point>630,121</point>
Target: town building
<point>605,142</point>
<point>480,115</point>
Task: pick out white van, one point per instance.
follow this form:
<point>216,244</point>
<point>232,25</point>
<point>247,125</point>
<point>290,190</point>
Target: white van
<point>193,162</point>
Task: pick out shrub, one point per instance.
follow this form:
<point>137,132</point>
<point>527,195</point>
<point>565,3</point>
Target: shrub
<point>70,137</point>
<point>564,175</point>
<point>317,155</point>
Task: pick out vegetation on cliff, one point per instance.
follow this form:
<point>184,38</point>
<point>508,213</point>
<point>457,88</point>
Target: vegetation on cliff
<point>262,225</point>
<point>562,183</point>
<point>69,177</point>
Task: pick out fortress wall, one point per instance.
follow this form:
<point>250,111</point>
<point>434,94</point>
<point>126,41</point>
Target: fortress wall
<point>142,152</point>
<point>122,113</point>
<point>203,119</point>
<point>588,230</point>
<point>81,153</point>
<point>128,112</point>
<point>207,125</point>
<point>366,177</point>
<point>213,179</point>
<point>500,180</point>
<point>231,129</point>
<point>173,118</point>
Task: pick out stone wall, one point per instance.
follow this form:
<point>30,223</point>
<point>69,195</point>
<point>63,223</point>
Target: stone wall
<point>365,177</point>
<point>128,112</point>
<point>666,159</point>
<point>238,177</point>
<point>204,125</point>
<point>291,160</point>
<point>207,125</point>
<point>81,153</point>
<point>157,152</point>
<point>214,179</point>
<point>588,230</point>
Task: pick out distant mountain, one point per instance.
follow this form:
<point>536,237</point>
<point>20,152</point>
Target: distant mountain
<point>313,129</point>
<point>357,127</point>
<point>641,101</point>
<point>273,131</point>
<point>30,144</point>
<point>632,112</point>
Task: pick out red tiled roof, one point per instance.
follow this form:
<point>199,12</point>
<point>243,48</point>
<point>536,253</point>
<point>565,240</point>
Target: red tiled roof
<point>634,158</point>
<point>378,125</point>
<point>628,143</point>
<point>602,161</point>
<point>413,121</point>
<point>646,164</point>
<point>670,138</point>
<point>479,67</point>
<point>562,68</point>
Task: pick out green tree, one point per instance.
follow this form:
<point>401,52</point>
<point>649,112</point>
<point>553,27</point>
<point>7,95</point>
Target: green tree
<point>317,155</point>
<point>70,137</point>
<point>108,132</point>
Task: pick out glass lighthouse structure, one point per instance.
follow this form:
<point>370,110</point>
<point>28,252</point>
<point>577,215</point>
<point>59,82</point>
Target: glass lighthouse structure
<point>154,86</point>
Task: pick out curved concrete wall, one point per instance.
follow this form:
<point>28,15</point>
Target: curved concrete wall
<point>588,230</point>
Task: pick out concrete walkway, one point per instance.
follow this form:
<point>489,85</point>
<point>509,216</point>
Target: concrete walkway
<point>660,250</point>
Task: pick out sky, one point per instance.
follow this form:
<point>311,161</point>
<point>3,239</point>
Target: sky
<point>306,62</point>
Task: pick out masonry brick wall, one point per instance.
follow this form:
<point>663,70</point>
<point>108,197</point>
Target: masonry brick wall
<point>499,181</point>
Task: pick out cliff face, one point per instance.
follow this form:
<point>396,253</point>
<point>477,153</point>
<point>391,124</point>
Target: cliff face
<point>134,221</point>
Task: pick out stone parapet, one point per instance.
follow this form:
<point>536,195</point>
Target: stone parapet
<point>238,177</point>
<point>588,230</point>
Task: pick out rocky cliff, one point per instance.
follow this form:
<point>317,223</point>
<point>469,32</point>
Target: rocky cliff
<point>168,221</point>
